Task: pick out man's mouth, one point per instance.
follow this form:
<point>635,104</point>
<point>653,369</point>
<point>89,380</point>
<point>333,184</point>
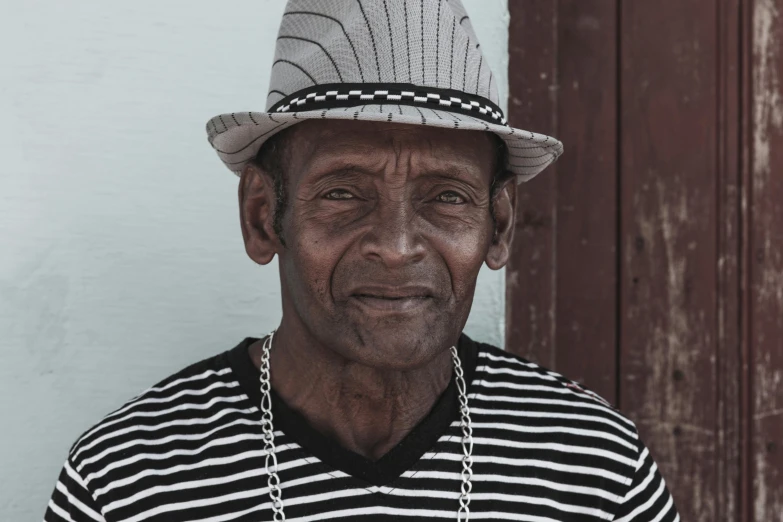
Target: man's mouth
<point>392,299</point>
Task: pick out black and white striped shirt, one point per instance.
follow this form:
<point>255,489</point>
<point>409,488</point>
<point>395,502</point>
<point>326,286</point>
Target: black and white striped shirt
<point>190,448</point>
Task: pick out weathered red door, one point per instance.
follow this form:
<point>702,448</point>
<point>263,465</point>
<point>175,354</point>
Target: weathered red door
<point>648,263</point>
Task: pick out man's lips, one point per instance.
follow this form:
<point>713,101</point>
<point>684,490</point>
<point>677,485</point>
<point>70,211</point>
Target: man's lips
<point>392,299</point>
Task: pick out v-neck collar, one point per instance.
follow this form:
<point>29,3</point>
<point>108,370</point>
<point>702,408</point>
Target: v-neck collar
<point>397,460</point>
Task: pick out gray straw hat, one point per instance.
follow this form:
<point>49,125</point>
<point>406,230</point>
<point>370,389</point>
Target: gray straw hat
<point>406,61</point>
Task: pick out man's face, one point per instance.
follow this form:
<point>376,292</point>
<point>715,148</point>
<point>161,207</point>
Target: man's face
<point>386,228</point>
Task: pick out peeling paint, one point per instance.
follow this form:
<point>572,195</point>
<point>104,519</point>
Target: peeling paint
<point>767,103</point>
<point>767,261</point>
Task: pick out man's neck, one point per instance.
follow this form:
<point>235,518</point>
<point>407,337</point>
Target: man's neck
<point>367,410</point>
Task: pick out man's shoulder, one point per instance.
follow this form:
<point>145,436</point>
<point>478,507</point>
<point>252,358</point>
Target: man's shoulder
<point>179,403</point>
<point>507,382</point>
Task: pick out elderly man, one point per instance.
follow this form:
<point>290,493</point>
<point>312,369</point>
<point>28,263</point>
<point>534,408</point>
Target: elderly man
<point>382,176</point>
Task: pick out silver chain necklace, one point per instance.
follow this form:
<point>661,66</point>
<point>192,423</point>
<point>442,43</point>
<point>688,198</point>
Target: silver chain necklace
<point>275,494</point>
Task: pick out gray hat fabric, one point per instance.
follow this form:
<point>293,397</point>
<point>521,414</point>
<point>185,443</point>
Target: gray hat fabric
<point>406,61</point>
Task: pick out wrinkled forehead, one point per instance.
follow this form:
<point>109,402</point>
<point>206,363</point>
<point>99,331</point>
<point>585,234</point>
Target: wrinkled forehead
<point>318,143</point>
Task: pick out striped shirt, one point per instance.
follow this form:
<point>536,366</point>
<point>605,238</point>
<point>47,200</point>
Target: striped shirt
<point>190,448</point>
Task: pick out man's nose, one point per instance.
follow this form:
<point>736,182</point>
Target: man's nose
<point>394,237</point>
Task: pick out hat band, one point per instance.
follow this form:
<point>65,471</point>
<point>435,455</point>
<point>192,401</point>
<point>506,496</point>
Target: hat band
<point>344,95</point>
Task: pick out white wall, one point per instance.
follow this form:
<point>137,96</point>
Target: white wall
<point>121,258</point>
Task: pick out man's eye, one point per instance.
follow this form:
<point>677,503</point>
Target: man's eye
<point>338,194</point>
<point>450,197</point>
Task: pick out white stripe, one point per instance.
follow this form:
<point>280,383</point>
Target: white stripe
<point>153,389</point>
<point>266,505</point>
<point>160,400</point>
<point>643,485</point>
<point>522,428</point>
<point>507,479</point>
<point>664,510</point>
<point>644,507</point>
<point>215,461</point>
<point>320,98</point>
<point>156,427</point>
<point>331,93</point>
<point>518,373</point>
<point>432,513</point>
<point>394,97</point>
<point>342,96</point>
<point>454,494</point>
<point>524,400</point>
<point>59,511</point>
<point>554,446</point>
<point>78,504</point>
<point>367,97</point>
<point>166,508</point>
<point>536,463</point>
<point>241,495</point>
<point>158,456</point>
<point>213,481</point>
<point>354,92</point>
<point>561,390</point>
<point>551,415</point>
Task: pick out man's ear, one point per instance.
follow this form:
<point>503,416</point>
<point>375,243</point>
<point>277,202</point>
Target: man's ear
<point>256,214</point>
<point>504,204</point>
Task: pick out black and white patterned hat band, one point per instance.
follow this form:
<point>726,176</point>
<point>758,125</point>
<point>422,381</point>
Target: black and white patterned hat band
<point>344,95</point>
<point>417,62</point>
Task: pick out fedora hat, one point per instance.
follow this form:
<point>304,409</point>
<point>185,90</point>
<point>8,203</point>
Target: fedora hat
<point>406,61</point>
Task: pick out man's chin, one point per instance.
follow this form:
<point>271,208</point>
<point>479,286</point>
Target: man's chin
<point>397,341</point>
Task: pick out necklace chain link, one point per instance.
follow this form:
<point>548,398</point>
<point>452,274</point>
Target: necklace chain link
<point>270,458</point>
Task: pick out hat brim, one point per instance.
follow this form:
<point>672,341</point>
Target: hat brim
<point>236,137</point>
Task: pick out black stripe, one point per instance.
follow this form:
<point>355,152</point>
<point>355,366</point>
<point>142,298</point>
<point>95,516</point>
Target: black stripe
<point>437,47</point>
<point>489,87</point>
<point>280,60</point>
<point>423,119</point>
<point>249,144</point>
<point>286,37</point>
<point>465,70</point>
<point>372,37</point>
<point>391,40</point>
<point>422,42</point>
<point>486,126</point>
<point>478,76</point>
<point>548,161</point>
<point>275,91</point>
<point>338,22</point>
<point>407,39</point>
<point>451,62</point>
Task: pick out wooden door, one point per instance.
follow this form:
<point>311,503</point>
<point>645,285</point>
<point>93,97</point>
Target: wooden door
<point>648,261</point>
